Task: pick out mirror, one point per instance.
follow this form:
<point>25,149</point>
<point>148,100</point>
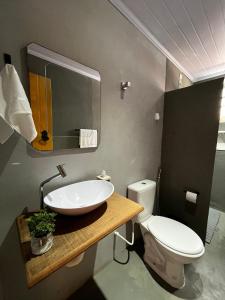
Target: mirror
<point>65,99</point>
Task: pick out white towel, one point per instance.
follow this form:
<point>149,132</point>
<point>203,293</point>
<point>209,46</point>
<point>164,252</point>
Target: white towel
<point>15,111</point>
<point>88,138</point>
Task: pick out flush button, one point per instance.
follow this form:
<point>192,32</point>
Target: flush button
<point>143,182</point>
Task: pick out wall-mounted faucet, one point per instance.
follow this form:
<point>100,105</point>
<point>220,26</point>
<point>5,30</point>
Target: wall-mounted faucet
<point>61,173</point>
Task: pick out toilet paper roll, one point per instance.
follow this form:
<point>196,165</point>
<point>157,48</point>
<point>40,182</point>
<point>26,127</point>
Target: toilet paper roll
<point>191,197</point>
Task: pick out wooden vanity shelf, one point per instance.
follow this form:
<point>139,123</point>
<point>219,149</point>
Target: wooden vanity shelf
<point>74,235</point>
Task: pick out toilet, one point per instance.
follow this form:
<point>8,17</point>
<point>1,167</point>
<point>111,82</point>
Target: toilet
<point>169,244</point>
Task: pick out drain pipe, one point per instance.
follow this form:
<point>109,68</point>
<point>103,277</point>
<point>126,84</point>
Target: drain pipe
<point>130,243</point>
<point>124,239</point>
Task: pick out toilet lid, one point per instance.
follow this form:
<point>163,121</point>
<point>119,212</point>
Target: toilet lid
<point>175,235</point>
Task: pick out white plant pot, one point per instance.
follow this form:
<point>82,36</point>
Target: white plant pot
<point>41,245</point>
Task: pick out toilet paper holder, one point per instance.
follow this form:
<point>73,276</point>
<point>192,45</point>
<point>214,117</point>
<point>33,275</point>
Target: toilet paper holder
<point>192,191</point>
<point>191,204</point>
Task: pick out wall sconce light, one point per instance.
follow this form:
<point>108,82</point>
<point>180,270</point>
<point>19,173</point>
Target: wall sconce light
<point>124,86</point>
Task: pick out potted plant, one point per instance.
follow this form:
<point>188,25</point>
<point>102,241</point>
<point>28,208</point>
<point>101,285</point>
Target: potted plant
<point>41,226</point>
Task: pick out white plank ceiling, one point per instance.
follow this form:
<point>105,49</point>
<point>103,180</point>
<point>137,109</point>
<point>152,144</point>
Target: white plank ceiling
<point>191,33</point>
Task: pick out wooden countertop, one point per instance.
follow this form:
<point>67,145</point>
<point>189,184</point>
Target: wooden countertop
<point>74,235</point>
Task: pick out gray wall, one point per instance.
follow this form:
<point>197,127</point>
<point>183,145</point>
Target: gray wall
<point>93,33</point>
<point>218,186</point>
<point>190,125</point>
<point>173,76</point>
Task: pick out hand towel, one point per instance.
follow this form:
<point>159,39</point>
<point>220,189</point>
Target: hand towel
<point>15,109</point>
<point>88,138</point>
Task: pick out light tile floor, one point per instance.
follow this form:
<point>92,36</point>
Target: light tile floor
<point>205,280</point>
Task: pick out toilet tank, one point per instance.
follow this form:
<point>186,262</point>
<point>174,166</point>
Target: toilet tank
<point>143,192</point>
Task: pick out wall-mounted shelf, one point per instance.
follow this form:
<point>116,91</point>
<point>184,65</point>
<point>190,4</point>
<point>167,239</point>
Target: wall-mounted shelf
<point>74,235</point>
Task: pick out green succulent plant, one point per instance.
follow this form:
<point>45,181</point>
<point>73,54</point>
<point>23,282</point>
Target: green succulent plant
<point>42,223</point>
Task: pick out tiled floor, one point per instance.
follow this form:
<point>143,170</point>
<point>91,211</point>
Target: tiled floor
<point>205,280</point>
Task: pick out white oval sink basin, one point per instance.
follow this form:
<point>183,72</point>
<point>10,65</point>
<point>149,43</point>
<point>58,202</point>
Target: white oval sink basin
<point>79,198</point>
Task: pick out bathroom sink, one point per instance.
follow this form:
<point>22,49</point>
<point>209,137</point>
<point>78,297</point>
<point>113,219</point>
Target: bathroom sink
<point>79,198</point>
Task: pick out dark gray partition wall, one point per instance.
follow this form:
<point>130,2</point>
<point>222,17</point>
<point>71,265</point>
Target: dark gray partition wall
<point>191,119</point>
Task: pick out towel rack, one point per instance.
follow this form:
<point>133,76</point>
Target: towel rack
<point>7,58</point>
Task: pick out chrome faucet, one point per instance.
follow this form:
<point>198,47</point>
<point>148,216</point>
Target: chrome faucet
<point>61,173</point>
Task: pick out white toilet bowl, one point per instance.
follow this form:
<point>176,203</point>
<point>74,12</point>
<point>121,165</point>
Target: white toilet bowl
<point>169,244</point>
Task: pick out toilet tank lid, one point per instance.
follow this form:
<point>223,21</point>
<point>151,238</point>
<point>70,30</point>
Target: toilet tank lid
<point>142,185</point>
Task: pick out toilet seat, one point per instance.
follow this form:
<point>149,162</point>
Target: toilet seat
<point>175,235</point>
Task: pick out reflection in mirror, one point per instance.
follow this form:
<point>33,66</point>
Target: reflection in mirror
<point>65,101</point>
<point>221,133</point>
